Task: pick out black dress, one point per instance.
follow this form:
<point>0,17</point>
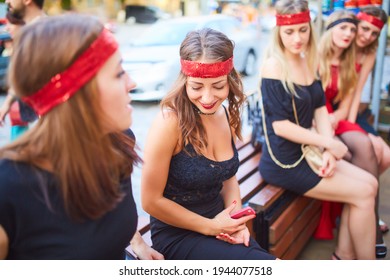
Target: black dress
<point>37,232</point>
<point>195,182</point>
<point>278,106</point>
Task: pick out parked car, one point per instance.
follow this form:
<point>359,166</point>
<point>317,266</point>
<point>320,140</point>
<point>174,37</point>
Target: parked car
<point>153,59</point>
<point>145,14</point>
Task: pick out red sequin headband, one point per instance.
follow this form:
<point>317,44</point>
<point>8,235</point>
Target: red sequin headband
<point>371,19</point>
<point>64,85</point>
<point>206,70</point>
<point>290,19</point>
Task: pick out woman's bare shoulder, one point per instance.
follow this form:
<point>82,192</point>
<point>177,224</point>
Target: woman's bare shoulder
<point>168,118</point>
<point>271,68</point>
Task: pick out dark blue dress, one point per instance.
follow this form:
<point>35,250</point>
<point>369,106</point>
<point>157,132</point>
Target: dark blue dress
<point>278,106</point>
<point>195,182</point>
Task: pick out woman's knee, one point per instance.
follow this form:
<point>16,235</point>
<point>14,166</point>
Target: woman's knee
<point>368,189</point>
<point>364,149</point>
<point>378,147</point>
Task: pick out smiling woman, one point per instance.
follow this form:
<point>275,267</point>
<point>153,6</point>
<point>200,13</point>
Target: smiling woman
<point>191,146</point>
<point>152,59</point>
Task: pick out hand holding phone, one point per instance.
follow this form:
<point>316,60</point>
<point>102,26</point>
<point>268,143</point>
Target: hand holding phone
<point>243,212</point>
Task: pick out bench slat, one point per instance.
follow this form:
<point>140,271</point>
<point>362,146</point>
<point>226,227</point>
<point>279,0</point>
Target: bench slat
<point>285,220</point>
<point>298,226</point>
<point>251,186</point>
<point>298,244</point>
<point>246,140</point>
<point>143,224</point>
<point>247,168</point>
<point>263,199</point>
<point>246,153</point>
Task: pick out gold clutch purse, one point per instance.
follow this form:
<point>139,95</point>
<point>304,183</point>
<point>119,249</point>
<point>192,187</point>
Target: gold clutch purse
<point>313,156</point>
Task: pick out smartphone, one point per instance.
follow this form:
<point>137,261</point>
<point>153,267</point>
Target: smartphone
<point>243,212</point>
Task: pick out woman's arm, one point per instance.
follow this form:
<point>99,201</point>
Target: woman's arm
<point>3,244</point>
<point>323,138</point>
<point>298,134</point>
<point>343,109</point>
<point>324,128</point>
<point>367,67</point>
<point>231,192</point>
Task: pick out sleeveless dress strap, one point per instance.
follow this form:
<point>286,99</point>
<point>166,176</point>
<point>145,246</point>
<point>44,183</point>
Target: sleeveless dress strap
<point>227,117</point>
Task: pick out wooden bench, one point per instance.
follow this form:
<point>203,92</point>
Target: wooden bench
<point>284,222</point>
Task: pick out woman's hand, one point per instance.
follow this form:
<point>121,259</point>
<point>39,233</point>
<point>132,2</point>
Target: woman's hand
<point>4,109</point>
<point>238,237</point>
<point>337,148</point>
<point>328,164</point>
<point>142,250</point>
<point>148,253</point>
<point>223,223</point>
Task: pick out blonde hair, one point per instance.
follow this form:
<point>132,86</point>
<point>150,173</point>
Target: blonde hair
<point>276,48</point>
<point>213,46</point>
<point>69,140</point>
<point>347,77</point>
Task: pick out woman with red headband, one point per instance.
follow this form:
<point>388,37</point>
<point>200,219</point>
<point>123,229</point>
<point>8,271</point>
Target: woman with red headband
<point>188,180</point>
<point>339,78</point>
<point>292,97</point>
<point>65,187</point>
<point>371,21</point>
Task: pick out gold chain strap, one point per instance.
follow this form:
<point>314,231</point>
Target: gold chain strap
<point>284,166</point>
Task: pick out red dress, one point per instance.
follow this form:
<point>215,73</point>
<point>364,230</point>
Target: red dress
<point>332,210</point>
<point>330,93</point>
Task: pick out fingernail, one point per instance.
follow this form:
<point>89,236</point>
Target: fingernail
<point>234,201</point>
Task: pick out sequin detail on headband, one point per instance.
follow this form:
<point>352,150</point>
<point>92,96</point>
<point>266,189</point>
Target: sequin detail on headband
<point>371,19</point>
<point>206,70</point>
<point>64,85</point>
<point>290,19</point>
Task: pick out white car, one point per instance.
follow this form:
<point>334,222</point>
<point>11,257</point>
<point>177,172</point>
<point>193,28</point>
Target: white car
<point>153,60</point>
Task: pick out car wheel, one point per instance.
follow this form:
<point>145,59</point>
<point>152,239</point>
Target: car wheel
<point>250,66</point>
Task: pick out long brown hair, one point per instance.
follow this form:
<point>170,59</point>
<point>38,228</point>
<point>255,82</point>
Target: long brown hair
<point>347,78</point>
<point>213,46</point>
<point>69,140</point>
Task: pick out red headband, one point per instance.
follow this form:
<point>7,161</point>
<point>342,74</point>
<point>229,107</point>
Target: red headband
<point>64,85</point>
<point>371,19</point>
<point>204,70</point>
<point>290,19</point>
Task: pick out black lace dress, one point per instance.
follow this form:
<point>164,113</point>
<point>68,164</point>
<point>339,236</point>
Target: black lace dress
<point>278,106</point>
<point>195,182</point>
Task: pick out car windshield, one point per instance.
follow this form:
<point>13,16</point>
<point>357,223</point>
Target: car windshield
<point>165,34</point>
